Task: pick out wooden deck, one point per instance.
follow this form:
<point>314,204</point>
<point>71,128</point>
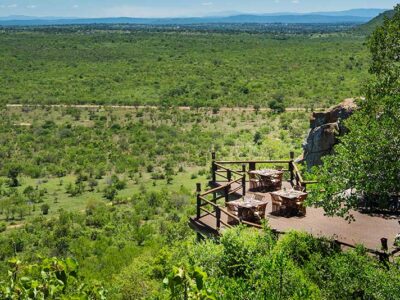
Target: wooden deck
<point>366,229</point>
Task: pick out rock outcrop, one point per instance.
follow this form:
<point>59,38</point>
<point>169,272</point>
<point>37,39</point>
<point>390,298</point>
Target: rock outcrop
<point>326,127</point>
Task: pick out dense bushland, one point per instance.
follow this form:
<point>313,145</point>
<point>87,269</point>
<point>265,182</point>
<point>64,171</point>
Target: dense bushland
<point>179,68</point>
<point>55,142</point>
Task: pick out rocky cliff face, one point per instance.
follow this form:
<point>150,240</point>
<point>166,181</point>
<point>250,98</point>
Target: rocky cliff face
<point>326,127</point>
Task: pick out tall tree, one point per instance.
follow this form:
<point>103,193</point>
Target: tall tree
<point>366,164</point>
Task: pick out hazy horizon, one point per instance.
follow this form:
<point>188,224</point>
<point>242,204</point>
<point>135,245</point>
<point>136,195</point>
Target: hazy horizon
<point>176,8</point>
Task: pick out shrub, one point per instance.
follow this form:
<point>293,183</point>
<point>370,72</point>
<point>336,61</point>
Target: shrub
<point>45,208</point>
<point>50,278</point>
<point>110,192</point>
<point>276,106</point>
<point>3,226</point>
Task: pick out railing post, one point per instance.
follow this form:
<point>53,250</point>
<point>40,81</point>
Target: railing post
<point>244,180</point>
<point>229,175</point>
<point>198,191</point>
<point>384,243</point>
<point>252,166</point>
<point>384,256</point>
<point>291,168</point>
<point>213,168</point>
<point>226,192</point>
<point>213,155</point>
<point>291,155</point>
<point>218,216</point>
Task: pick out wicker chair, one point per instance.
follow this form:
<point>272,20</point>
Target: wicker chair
<point>302,209</point>
<point>260,212</point>
<point>300,202</point>
<point>255,181</point>
<point>234,211</point>
<point>275,183</point>
<point>276,203</point>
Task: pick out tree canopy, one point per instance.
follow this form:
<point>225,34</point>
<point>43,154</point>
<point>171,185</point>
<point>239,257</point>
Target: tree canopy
<point>365,167</point>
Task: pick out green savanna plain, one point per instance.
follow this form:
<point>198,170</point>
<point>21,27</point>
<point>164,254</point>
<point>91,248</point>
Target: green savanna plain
<point>112,187</point>
<point>180,68</point>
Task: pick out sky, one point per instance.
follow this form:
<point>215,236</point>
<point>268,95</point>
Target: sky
<point>175,8</point>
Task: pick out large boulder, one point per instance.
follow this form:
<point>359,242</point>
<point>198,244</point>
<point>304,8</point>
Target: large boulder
<point>326,127</point>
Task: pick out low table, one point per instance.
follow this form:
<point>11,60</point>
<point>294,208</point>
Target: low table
<point>291,202</point>
<point>267,172</point>
<point>247,209</point>
<point>270,178</point>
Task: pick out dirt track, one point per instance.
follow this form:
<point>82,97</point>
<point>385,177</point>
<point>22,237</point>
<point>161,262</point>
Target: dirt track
<point>128,107</point>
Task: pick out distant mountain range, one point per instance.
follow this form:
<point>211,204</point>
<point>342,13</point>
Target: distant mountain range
<point>363,12</point>
<point>375,22</point>
<point>356,16</point>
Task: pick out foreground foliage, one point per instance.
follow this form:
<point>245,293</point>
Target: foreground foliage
<point>244,264</point>
<point>249,264</point>
<point>47,279</point>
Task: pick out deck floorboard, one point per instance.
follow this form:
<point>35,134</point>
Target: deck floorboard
<point>366,229</point>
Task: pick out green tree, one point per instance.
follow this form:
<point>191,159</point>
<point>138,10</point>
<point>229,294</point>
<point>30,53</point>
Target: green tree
<point>13,173</point>
<point>366,165</point>
<point>277,106</point>
<point>110,192</point>
<point>384,46</point>
<point>45,208</point>
<point>257,138</point>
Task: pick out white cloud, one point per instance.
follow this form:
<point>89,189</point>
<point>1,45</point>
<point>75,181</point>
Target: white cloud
<point>75,6</point>
<point>296,1</point>
<point>207,3</point>
<point>32,6</point>
<point>12,5</point>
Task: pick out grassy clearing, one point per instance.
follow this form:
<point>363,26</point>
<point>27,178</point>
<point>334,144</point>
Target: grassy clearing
<point>57,197</point>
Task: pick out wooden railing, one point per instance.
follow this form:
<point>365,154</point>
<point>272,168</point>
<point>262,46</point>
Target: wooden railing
<point>206,206</point>
<point>222,173</point>
<point>227,181</point>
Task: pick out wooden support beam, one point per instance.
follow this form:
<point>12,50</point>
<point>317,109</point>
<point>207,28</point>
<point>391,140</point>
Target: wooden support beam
<point>218,216</point>
<point>291,170</point>
<point>213,167</point>
<point>226,192</point>
<point>244,180</point>
<point>384,243</point>
<point>198,207</point>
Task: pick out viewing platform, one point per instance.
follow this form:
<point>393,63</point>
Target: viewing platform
<point>229,184</point>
